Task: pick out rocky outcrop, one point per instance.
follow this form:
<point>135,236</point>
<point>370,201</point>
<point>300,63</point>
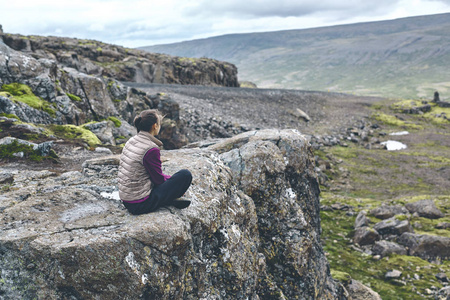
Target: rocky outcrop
<point>124,64</point>
<point>252,231</point>
<point>395,235</point>
<point>67,96</point>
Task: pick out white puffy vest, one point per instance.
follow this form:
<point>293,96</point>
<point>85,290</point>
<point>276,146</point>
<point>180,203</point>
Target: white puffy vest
<point>134,181</point>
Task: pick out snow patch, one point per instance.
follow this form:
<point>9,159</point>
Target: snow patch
<point>394,145</point>
<point>400,133</point>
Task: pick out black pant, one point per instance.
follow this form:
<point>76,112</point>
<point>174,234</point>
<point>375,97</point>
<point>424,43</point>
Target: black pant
<point>163,194</point>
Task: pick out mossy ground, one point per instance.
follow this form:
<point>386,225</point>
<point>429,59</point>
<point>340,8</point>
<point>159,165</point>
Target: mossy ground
<point>379,176</point>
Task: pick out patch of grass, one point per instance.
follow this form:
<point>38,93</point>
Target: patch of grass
<point>22,93</point>
<point>428,226</point>
<point>377,106</point>
<point>431,144</point>
<point>394,121</point>
<point>405,104</point>
<point>344,152</point>
<point>328,198</point>
<point>75,132</point>
<point>417,187</point>
<point>436,115</point>
<point>441,160</point>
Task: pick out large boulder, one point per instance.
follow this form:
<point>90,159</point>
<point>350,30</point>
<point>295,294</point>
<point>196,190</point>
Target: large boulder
<point>393,226</point>
<point>252,230</point>
<point>359,291</point>
<point>388,211</point>
<point>386,248</point>
<point>365,236</point>
<point>426,246</point>
<point>425,208</point>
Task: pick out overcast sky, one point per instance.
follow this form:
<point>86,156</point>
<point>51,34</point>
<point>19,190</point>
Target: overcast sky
<point>135,23</point>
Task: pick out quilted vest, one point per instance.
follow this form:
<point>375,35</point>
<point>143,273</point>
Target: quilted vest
<point>134,181</point>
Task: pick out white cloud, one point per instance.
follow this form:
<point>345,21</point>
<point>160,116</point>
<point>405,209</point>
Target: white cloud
<point>135,23</point>
<point>288,8</point>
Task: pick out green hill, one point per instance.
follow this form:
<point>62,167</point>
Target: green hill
<point>407,57</point>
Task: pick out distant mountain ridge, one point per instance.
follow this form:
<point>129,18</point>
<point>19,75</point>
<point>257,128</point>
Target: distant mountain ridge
<point>408,57</point>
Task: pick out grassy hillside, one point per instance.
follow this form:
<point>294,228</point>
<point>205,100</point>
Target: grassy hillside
<point>407,57</point>
<point>363,179</point>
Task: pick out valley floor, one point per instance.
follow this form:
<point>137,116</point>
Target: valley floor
<point>356,172</point>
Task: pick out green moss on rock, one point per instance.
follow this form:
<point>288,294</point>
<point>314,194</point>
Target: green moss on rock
<point>73,97</point>
<point>75,132</point>
<point>11,116</point>
<point>343,277</point>
<point>22,93</point>
<point>7,152</point>
<point>116,121</point>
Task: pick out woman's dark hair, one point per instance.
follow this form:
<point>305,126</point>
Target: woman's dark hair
<point>146,119</point>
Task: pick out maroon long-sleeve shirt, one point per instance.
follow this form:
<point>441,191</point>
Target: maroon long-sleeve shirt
<point>152,163</point>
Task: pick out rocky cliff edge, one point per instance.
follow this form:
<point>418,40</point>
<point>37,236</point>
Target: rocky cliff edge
<point>124,64</point>
<point>252,231</point>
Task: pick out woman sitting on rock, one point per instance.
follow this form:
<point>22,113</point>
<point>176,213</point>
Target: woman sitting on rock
<point>143,187</point>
